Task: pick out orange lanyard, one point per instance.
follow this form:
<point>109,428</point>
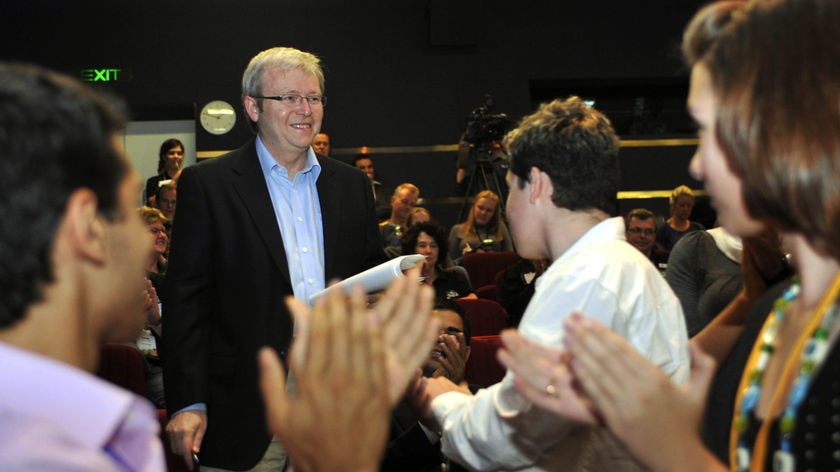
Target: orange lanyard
<point>759,451</point>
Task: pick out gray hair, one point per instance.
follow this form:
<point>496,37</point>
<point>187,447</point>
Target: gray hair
<point>286,59</point>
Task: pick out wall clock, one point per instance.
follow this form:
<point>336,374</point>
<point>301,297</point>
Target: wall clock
<point>217,117</point>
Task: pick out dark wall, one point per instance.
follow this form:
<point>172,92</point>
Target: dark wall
<point>399,72</point>
<point>387,85</point>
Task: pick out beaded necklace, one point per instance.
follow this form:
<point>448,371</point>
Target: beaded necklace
<point>813,353</point>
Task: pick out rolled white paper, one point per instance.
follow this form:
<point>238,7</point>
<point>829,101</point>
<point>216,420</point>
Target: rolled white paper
<point>376,278</point>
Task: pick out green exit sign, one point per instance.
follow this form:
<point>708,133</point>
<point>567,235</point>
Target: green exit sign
<point>107,74</point>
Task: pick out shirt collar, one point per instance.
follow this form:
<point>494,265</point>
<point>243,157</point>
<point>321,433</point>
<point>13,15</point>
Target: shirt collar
<point>83,402</point>
<point>606,230</point>
<point>268,164</point>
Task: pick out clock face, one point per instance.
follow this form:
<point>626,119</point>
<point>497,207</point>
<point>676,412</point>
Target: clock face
<point>217,117</point>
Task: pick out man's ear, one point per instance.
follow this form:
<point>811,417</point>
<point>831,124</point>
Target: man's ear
<point>251,108</point>
<point>86,228</point>
<point>467,354</point>
<point>540,184</point>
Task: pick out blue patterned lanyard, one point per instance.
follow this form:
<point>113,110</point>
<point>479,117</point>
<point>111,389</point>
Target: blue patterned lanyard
<point>812,356</point>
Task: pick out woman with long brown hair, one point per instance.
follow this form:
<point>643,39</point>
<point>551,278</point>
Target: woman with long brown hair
<point>765,92</point>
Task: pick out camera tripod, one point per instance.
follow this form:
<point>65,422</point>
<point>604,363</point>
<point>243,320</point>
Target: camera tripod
<point>484,176</point>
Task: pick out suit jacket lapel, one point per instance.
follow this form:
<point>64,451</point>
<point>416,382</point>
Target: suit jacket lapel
<point>253,191</point>
<point>330,206</point>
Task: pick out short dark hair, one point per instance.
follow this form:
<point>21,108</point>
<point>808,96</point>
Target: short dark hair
<point>57,136</point>
<point>576,146</point>
<point>359,157</point>
<point>452,305</point>
<point>642,214</point>
<point>433,229</point>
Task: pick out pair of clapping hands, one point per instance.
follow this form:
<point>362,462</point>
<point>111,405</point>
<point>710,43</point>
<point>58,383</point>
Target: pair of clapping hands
<point>351,363</point>
<point>599,378</point>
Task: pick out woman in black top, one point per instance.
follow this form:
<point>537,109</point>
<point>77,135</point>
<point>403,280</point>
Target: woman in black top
<point>169,167</point>
<point>429,239</point>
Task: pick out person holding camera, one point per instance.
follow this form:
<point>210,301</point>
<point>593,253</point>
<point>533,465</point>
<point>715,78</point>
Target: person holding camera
<point>481,163</point>
<point>483,231</point>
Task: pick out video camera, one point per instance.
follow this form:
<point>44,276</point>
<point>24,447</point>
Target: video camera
<point>483,160</point>
<point>484,126</point>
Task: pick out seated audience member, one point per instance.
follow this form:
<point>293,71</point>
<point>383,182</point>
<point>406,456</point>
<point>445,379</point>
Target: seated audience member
<point>402,201</point>
<point>411,446</point>
<point>170,158</point>
<point>641,233</point>
<point>72,248</point>
<point>149,344</point>
<point>156,225</point>
<point>418,215</point>
<point>705,273</point>
<point>337,418</point>
<point>165,199</point>
<point>364,163</point>
<point>678,224</point>
<point>321,144</point>
<point>449,356</point>
<point>149,339</point>
<point>563,181</point>
<point>517,287</point>
<point>429,240</point>
<point>483,231</point>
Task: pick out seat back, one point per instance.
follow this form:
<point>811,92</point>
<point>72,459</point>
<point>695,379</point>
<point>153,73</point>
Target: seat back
<point>487,317</point>
<point>482,367</point>
<point>123,364</point>
<point>483,266</point>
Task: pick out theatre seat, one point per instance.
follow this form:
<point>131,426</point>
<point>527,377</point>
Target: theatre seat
<point>123,364</point>
<point>487,317</point>
<point>483,266</point>
<point>482,367</point>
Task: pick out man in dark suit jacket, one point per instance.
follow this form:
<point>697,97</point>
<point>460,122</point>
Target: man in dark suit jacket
<point>243,242</point>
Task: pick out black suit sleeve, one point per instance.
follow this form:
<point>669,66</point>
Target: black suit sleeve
<point>186,306</point>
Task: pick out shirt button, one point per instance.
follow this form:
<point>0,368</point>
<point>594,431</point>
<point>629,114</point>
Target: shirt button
<point>304,249</point>
<point>299,218</point>
<point>311,281</point>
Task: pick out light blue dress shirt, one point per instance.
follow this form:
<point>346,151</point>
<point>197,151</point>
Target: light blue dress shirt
<point>298,212</point>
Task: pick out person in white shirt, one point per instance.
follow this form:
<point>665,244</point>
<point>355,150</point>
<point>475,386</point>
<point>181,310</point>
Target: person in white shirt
<point>563,180</point>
